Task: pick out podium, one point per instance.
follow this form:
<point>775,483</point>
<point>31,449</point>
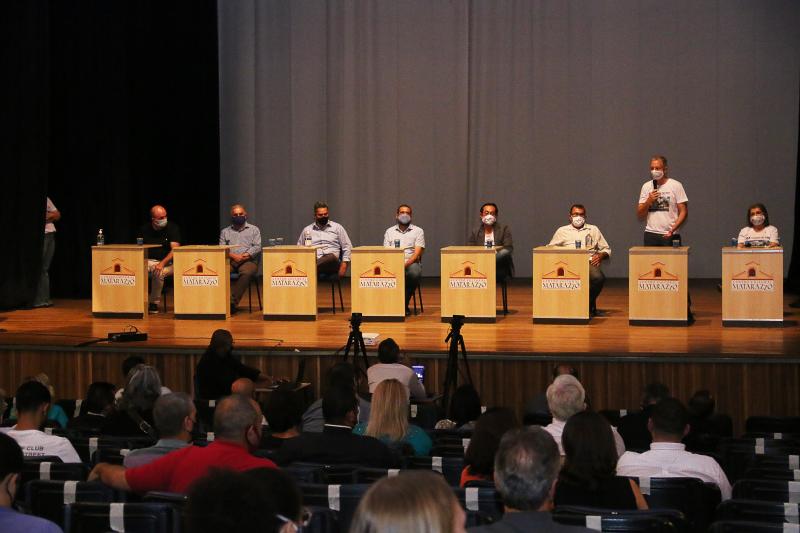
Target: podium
<point>378,283</point>
<point>468,283</point>
<point>658,292</point>
<point>290,282</point>
<point>202,279</point>
<point>560,285</point>
<point>119,280</point>
<point>752,287</point>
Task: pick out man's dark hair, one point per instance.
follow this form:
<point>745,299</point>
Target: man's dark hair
<point>589,449</point>
<point>404,205</point>
<point>465,406</point>
<point>337,402</point>
<point>130,363</point>
<point>233,415</point>
<point>221,343</point>
<point>11,458</point>
<point>283,410</point>
<point>388,351</point>
<point>489,429</point>
<point>31,395</point>
<point>525,467</point>
<point>654,392</point>
<point>342,374</point>
<point>670,417</point>
<point>579,206</point>
<point>702,404</point>
<point>496,210</point>
<point>169,413</point>
<point>99,396</point>
<point>319,204</point>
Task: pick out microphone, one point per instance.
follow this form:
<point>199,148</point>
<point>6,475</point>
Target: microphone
<point>655,185</point>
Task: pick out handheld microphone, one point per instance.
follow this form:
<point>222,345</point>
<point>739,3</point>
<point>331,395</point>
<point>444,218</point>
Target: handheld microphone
<point>655,185</point>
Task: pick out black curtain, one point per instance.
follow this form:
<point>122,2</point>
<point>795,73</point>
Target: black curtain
<point>132,107</point>
<point>794,266</point>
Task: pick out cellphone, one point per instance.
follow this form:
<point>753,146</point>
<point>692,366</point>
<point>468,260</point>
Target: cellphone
<point>419,370</point>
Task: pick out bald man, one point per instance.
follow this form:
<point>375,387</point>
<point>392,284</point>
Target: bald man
<point>245,242</point>
<point>244,387</point>
<point>159,263</point>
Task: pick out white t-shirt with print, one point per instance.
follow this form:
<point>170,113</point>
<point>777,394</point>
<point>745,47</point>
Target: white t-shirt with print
<point>749,236</point>
<point>35,443</point>
<point>663,213</point>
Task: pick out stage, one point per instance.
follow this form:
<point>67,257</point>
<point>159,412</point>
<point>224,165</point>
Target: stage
<point>749,370</point>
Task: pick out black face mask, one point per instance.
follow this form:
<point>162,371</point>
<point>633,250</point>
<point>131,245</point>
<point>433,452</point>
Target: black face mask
<point>322,221</point>
<point>238,220</point>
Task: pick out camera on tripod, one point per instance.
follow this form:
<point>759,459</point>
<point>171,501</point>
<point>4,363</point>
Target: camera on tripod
<point>355,321</point>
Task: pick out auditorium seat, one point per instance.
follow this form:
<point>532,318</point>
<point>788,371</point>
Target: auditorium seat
<point>323,520</point>
<point>368,475</point>
<point>111,454</point>
<point>781,461</point>
<point>129,517</point>
<point>757,511</point>
<point>738,454</point>
<point>735,526</point>
<point>450,450</point>
<point>772,424</point>
<point>645,521</point>
<point>341,498</point>
<point>47,498</point>
<point>767,489</point>
<point>87,446</point>
<point>205,414</point>
<point>783,474</point>
<point>696,499</point>
<point>483,505</point>
<point>614,415</point>
<point>72,408</point>
<point>450,467</point>
<point>56,471</point>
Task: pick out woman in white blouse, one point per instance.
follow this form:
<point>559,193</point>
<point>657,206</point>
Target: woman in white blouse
<point>758,232</point>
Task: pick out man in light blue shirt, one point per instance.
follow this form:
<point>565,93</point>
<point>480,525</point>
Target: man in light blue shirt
<point>411,239</point>
<point>174,415</point>
<point>245,242</point>
<point>331,241</point>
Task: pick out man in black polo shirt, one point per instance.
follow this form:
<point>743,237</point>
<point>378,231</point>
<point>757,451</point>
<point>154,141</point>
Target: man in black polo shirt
<point>159,263</point>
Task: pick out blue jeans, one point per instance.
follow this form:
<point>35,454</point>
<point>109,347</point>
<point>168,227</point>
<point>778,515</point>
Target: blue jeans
<point>43,289</point>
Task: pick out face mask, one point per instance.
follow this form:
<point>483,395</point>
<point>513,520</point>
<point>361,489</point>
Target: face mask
<point>489,220</point>
<point>404,219</point>
<point>757,220</point>
<point>160,223</point>
<point>322,221</point>
<point>238,220</point>
<point>657,174</point>
<point>578,221</point>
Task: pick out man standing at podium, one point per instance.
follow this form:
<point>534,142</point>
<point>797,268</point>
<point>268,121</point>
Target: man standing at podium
<point>245,242</point>
<point>663,204</point>
<point>489,234</point>
<point>331,240</point>
<point>159,263</point>
<point>411,239</point>
<point>590,239</point>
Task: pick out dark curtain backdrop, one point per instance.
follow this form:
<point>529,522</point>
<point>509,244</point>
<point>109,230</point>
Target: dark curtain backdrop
<point>129,93</point>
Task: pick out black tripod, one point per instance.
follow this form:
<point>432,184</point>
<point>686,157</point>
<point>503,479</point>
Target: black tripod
<point>451,375</point>
<point>356,341</point>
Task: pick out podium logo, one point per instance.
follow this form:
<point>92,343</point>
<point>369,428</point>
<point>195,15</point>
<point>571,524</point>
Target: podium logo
<point>468,277</point>
<point>118,274</point>
<point>377,277</point>
<point>288,276</point>
<point>658,280</point>
<point>561,279</point>
<point>200,275</point>
<point>753,279</point>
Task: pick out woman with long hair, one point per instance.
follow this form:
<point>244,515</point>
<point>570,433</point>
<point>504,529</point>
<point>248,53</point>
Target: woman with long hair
<point>133,413</point>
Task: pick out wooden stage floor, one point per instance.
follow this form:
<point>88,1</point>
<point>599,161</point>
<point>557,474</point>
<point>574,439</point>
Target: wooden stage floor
<point>70,323</point>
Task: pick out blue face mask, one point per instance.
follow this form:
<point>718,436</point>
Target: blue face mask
<point>238,220</point>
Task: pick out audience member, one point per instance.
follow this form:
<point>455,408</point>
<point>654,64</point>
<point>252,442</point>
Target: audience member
<point>633,427</point>
<point>56,412</point>
<point>237,428</point>
<point>343,375</point>
<point>418,500</point>
<point>337,444</point>
<point>479,457</point>
<point>588,476</point>
<point>11,463</point>
<point>174,415</point>
<point>389,420</point>
<point>464,409</point>
<point>566,397</point>
<point>537,409</point>
<point>667,457</point>
<point>218,368</point>
<point>525,472</point>
<point>133,413</point>
<point>390,367</point>
<point>3,404</point>
<point>33,403</point>
<point>283,414</point>
<point>99,403</point>
<point>129,364</point>
<point>706,428</point>
<point>245,387</point>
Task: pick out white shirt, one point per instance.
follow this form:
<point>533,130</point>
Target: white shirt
<point>489,237</point>
<point>35,443</point>
<point>590,236</point>
<point>670,459</point>
<point>752,237</point>
<point>409,239</point>
<point>50,207</point>
<point>403,374</point>
<point>663,213</point>
<point>556,429</point>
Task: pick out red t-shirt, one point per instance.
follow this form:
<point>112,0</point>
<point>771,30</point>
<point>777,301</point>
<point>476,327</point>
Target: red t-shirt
<point>177,470</point>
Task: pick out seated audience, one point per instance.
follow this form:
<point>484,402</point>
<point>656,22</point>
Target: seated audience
<point>418,500</point>
<point>390,367</point>
<point>633,427</point>
<point>667,457</point>
<point>99,403</point>
<point>464,409</point>
<point>341,375</point>
<point>237,428</point>
<point>566,397</point>
<point>218,368</point>
<point>244,386</point>
<point>479,457</point>
<point>537,407</point>
<point>174,415</point>
<point>337,444</point>
<point>525,474</point>
<point>33,403</point>
<point>133,413</point>
<point>129,364</point>
<point>56,412</point>
<point>589,476</point>
<point>706,428</point>
<point>11,463</point>
<point>283,414</point>
<point>388,420</point>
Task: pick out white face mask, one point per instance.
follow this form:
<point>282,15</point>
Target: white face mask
<point>657,174</point>
<point>160,223</point>
<point>489,220</point>
<point>404,219</point>
<point>757,220</point>
<point>578,221</point>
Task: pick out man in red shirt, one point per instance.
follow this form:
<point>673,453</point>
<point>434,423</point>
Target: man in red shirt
<point>237,430</point>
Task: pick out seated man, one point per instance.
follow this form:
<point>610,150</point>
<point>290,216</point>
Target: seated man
<point>343,375</point>
<point>237,428</point>
<point>489,234</point>
<point>411,239</point>
<point>525,472</point>
<point>634,427</point>
<point>33,402</point>
<point>331,240</point>
<point>591,240</point>
<point>245,242</point>
<point>337,444</point>
<point>667,457</point>
<point>174,416</point>
<point>159,263</point>
<point>391,368</point>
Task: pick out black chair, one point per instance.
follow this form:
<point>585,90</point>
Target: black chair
<point>255,280</point>
<point>449,467</point>
<point>335,282</point>
<point>744,527</point>
<point>323,520</point>
<point>450,450</point>
<point>795,437</point>
<point>738,454</point>
<point>52,471</point>
<point>368,475</point>
<point>772,424</point>
<point>414,297</point>
<point>72,408</point>
<point>134,517</point>
<point>304,472</point>
<point>696,499</point>
<point>537,419</point>
<point>168,284</point>
<point>614,415</point>
<point>647,521</point>
<point>781,461</point>
<point>757,511</point>
<point>767,490</point>
<point>484,505</point>
<point>341,498</point>
<point>504,294</point>
<point>87,447</point>
<point>47,498</point>
<point>205,414</point>
<point>781,474</point>
<point>111,454</point>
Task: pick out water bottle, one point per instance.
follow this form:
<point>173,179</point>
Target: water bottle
<point>308,238</point>
<point>397,243</point>
<point>734,241</point>
<point>101,239</point>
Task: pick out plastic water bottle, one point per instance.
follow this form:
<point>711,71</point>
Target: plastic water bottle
<point>101,239</point>
<point>308,238</point>
<point>734,241</point>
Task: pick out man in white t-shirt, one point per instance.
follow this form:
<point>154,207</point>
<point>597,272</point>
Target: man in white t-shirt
<point>391,368</point>
<point>663,204</point>
<point>411,239</point>
<point>33,402</point>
